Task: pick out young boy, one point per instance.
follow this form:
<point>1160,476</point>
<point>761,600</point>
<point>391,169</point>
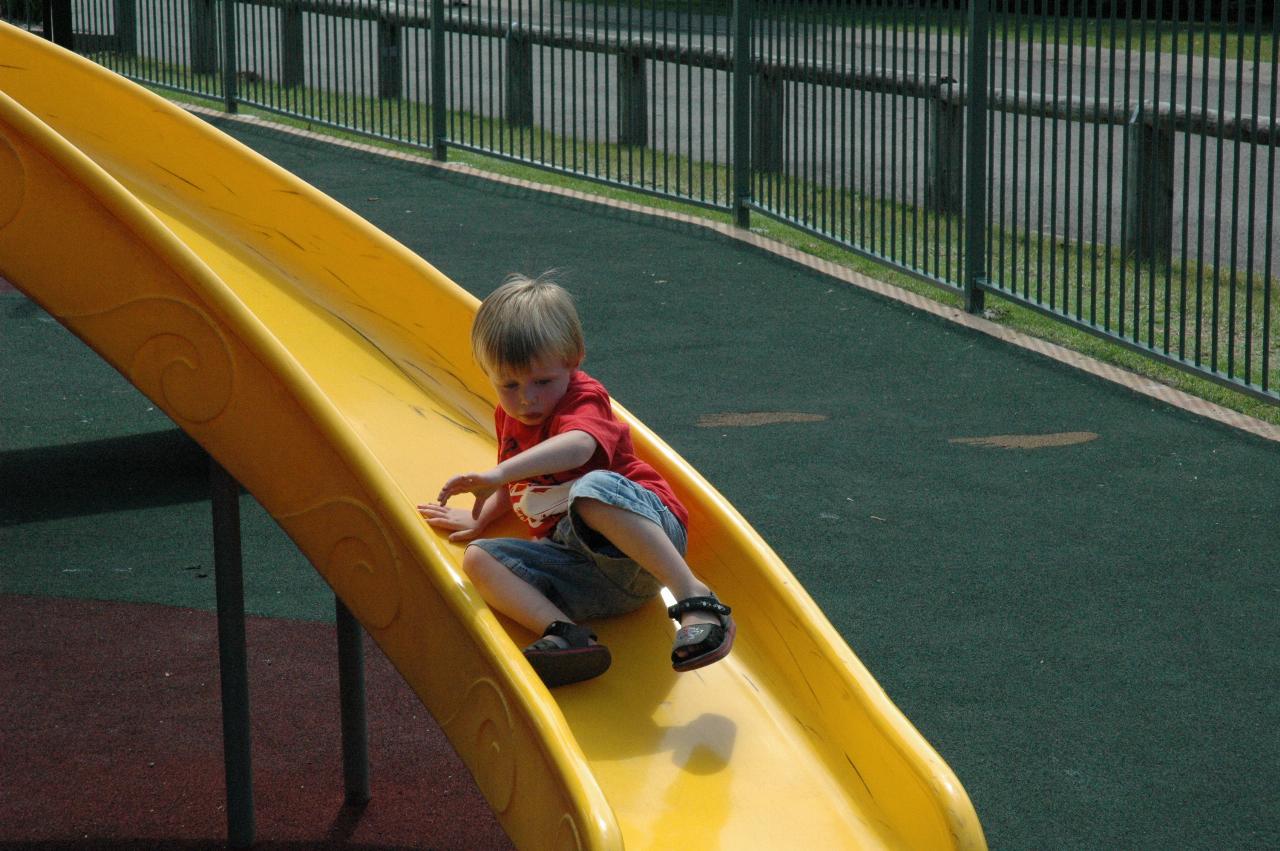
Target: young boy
<point>608,532</point>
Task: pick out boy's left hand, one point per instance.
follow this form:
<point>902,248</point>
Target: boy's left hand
<point>482,485</point>
<point>458,522</point>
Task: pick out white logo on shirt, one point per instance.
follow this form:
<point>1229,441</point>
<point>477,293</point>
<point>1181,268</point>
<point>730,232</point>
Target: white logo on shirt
<point>536,504</point>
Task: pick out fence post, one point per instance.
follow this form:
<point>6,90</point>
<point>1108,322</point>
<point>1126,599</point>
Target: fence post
<point>390,74</point>
<point>57,23</point>
<point>519,87</point>
<point>944,154</point>
<point>975,212</point>
<point>202,26</point>
<point>438,131</point>
<point>126,15</point>
<point>1149,205</point>
<point>768,120</point>
<point>230,95</point>
<point>633,99</point>
<point>292,47</point>
<point>741,152</point>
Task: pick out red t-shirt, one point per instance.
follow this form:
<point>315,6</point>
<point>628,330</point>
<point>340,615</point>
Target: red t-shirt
<point>585,406</point>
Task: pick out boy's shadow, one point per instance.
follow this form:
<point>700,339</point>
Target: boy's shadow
<point>642,707</point>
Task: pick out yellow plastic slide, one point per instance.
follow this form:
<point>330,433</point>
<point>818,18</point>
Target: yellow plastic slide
<point>328,369</point>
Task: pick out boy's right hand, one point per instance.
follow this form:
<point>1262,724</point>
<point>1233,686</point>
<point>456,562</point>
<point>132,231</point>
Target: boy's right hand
<point>458,521</point>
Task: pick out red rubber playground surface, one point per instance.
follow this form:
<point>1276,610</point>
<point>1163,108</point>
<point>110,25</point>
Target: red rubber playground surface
<point>117,742</point>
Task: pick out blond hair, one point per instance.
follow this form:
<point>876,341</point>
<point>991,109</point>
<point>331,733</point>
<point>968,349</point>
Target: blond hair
<point>526,319</point>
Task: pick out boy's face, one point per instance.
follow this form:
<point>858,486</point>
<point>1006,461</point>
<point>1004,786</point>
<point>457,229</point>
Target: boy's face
<point>530,395</point>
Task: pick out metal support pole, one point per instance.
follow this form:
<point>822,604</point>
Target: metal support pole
<point>742,112</point>
<point>355,727</point>
<point>232,657</point>
<point>975,206</point>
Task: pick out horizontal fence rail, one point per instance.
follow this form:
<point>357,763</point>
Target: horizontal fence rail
<point>1114,166</point>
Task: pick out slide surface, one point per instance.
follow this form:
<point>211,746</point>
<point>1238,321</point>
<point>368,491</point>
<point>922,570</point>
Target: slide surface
<point>328,368</point>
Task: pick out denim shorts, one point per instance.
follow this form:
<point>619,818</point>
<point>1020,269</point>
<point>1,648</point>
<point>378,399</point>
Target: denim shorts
<point>575,567</point>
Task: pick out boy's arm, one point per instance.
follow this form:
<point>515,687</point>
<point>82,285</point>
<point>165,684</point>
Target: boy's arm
<point>566,451</point>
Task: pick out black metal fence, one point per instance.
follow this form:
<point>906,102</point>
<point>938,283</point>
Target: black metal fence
<point>1111,164</point>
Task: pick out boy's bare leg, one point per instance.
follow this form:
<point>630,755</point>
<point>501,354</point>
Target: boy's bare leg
<point>648,545</point>
<point>510,594</point>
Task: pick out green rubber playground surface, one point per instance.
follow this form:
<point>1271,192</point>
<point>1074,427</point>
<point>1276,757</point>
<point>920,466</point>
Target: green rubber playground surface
<point>1086,632</point>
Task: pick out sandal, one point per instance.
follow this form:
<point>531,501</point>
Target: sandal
<point>564,654</point>
<point>701,644</point>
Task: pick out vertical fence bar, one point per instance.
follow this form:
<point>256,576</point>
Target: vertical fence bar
<point>599,137</point>
<point>865,137</point>
<point>992,211</point>
<point>1003,278</point>
<point>1201,200</point>
<point>892,66</point>
<point>806,153</point>
<point>1271,201</point>
<point>1217,194</point>
<point>742,111</point>
<point>975,217</point>
<point>792,142</point>
<point>489,64</point>
<point>879,141</point>
<point>1184,255</point>
<point>960,18</point>
<point>845,135</point>
<point>1055,13</point>
<point>1165,251</point>
<point>1233,277</point>
<point>673,151</point>
<point>1252,184</point>
<point>1067,175</point>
